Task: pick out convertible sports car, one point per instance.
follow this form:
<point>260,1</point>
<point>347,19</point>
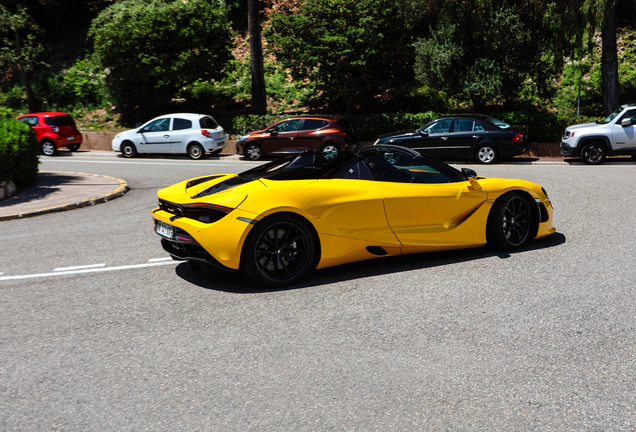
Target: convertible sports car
<point>277,222</point>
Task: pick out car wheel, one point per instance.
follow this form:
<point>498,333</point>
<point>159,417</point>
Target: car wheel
<point>73,147</point>
<point>279,251</point>
<point>511,222</point>
<point>128,149</point>
<point>195,151</point>
<point>48,148</point>
<point>253,152</point>
<point>330,148</point>
<point>593,154</point>
<point>486,154</point>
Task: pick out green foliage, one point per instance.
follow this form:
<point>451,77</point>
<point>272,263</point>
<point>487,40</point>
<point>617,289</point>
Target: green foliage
<point>152,49</point>
<point>18,153</point>
<point>350,50</point>
<point>81,85</point>
<point>18,45</point>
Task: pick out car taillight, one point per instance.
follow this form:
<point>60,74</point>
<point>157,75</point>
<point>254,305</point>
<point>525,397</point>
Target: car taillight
<point>55,129</point>
<point>206,133</point>
<point>341,133</point>
<point>518,137</point>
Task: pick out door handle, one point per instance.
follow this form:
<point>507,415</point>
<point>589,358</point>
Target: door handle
<point>444,138</point>
<point>166,136</point>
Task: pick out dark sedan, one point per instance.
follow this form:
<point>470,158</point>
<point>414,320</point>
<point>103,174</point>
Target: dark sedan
<point>463,136</point>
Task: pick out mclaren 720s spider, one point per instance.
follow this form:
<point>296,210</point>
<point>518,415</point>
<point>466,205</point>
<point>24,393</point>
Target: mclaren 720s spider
<point>277,222</point>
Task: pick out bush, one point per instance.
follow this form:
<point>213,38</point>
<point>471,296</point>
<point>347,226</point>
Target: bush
<point>18,153</point>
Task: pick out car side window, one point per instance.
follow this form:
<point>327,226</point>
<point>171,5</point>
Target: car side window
<point>463,125</point>
<point>31,121</point>
<point>159,125</point>
<point>479,128</point>
<point>442,126</point>
<point>405,168</point>
<point>288,126</point>
<point>180,124</point>
<point>628,115</point>
<point>313,124</point>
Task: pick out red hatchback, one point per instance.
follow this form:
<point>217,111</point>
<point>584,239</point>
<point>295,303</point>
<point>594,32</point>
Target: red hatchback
<point>53,130</point>
<point>296,134</point>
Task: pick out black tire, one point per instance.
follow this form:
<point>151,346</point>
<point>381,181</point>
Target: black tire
<point>128,150</point>
<point>279,251</point>
<point>512,222</point>
<point>486,154</point>
<point>593,153</point>
<point>329,147</point>
<point>48,148</point>
<point>73,147</point>
<point>253,152</point>
<point>195,151</point>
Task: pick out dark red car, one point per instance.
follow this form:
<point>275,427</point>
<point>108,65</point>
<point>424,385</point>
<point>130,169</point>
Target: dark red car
<point>295,134</point>
<point>53,130</point>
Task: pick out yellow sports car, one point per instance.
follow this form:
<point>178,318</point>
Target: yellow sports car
<point>277,222</point>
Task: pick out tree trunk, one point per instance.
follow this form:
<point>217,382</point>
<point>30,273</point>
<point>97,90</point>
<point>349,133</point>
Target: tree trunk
<point>609,61</point>
<point>31,102</point>
<point>259,101</point>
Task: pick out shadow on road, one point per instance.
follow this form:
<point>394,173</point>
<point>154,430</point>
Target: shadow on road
<point>236,283</point>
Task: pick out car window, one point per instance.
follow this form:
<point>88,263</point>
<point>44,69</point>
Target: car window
<point>441,126</point>
<point>208,122</point>
<point>355,170</point>
<point>463,125</point>
<point>159,125</point>
<point>612,116</point>
<point>479,128</point>
<point>63,120</point>
<point>405,168</point>
<point>180,124</point>
<point>313,124</point>
<point>31,121</point>
<point>288,125</point>
<point>628,115</point>
<point>499,123</point>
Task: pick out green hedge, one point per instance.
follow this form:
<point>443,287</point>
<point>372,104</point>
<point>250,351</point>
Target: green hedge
<point>542,126</point>
<point>18,153</point>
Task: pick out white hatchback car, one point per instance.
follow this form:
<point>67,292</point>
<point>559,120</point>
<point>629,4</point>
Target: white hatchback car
<point>193,134</point>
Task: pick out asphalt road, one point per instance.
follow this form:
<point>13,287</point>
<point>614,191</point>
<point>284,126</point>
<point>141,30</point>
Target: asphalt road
<point>100,332</point>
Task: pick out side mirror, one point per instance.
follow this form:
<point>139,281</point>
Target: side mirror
<point>272,130</point>
<point>468,173</point>
<point>423,133</point>
<point>626,122</point>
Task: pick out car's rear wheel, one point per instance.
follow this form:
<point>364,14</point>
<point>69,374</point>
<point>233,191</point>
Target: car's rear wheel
<point>128,149</point>
<point>511,222</point>
<point>195,151</point>
<point>73,147</point>
<point>253,152</point>
<point>486,154</point>
<point>279,251</point>
<point>48,148</point>
<point>593,153</point>
<point>329,148</point>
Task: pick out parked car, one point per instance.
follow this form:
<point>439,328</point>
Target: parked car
<point>191,134</point>
<point>463,136</point>
<point>53,130</point>
<point>277,222</point>
<point>592,142</point>
<point>295,134</point>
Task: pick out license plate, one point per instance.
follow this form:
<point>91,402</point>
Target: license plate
<point>71,138</point>
<point>164,230</point>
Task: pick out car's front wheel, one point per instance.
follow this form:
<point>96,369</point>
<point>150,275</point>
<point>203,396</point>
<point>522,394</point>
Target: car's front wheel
<point>511,222</point>
<point>279,251</point>
<point>253,152</point>
<point>128,149</point>
<point>195,151</point>
<point>48,148</point>
<point>593,154</point>
<point>486,154</point>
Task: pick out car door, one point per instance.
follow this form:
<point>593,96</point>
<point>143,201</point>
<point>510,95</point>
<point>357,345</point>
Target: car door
<point>281,136</point>
<point>624,137</point>
<point>155,137</point>
<point>433,142</point>
<point>424,201</point>
<point>180,135</point>
<point>310,135</point>
<point>467,133</point>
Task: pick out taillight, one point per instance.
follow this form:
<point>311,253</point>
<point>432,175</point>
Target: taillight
<point>206,133</point>
<point>55,129</point>
<point>341,133</point>
<point>518,137</point>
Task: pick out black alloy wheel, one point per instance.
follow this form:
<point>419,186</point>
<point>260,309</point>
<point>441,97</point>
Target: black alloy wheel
<point>593,154</point>
<point>279,251</point>
<point>512,221</point>
<point>128,149</point>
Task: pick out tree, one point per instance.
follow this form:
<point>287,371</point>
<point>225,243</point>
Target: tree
<point>19,48</point>
<point>349,49</point>
<point>154,49</point>
<point>259,101</point>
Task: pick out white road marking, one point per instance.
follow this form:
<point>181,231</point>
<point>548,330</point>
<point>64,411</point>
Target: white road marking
<point>160,259</point>
<point>79,267</point>
<point>91,270</point>
<point>225,163</point>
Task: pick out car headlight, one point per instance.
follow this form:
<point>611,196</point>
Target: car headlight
<point>242,138</point>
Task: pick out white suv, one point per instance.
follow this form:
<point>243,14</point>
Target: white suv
<point>615,135</point>
<point>193,134</point>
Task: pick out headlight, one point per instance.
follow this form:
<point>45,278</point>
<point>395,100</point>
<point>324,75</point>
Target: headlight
<point>242,138</point>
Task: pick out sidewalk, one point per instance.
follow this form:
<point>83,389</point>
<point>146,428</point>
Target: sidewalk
<point>58,191</point>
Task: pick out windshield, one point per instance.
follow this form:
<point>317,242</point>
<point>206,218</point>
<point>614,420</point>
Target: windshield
<point>497,122</point>
<point>304,166</point>
<point>611,117</point>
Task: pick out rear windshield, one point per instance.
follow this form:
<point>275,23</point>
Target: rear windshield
<point>208,123</point>
<point>63,120</point>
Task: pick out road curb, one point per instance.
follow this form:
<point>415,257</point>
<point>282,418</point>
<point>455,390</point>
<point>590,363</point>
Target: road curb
<point>118,192</point>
